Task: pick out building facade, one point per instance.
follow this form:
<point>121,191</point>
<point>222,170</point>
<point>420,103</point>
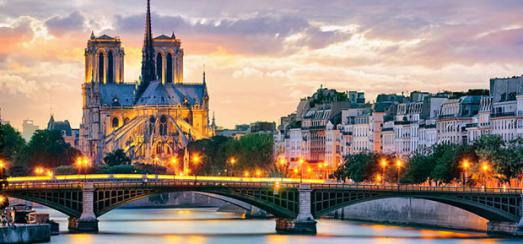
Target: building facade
<point>403,125</point>
<point>151,120</point>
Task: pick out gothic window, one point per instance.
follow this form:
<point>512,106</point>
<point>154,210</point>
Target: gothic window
<point>152,121</point>
<point>169,72</point>
<point>159,66</point>
<point>110,70</point>
<point>163,125</point>
<point>100,67</point>
<point>115,122</point>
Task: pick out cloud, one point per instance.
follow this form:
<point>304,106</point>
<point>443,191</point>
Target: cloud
<point>261,57</point>
<point>74,22</point>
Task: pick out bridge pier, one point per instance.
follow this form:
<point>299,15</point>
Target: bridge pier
<point>87,223</point>
<point>304,223</point>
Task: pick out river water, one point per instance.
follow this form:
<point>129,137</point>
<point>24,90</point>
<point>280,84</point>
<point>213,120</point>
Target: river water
<point>199,226</point>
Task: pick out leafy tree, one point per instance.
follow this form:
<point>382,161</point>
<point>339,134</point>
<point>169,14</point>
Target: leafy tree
<point>419,169</point>
<point>508,163</point>
<point>46,148</point>
<point>447,161</point>
<point>361,166</point>
<point>11,142</point>
<point>254,151</point>
<point>488,147</point>
<point>116,157</point>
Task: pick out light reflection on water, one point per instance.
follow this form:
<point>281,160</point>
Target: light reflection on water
<point>202,226</point>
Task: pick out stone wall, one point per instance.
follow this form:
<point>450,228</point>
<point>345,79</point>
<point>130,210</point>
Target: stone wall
<point>413,211</point>
<point>25,234</point>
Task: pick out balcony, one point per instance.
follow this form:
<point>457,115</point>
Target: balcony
<point>505,114</point>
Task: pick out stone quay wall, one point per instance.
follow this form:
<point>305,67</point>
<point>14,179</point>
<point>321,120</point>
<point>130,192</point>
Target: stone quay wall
<point>413,211</point>
<point>25,233</point>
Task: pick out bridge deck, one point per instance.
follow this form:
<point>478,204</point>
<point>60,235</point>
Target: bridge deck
<point>138,180</point>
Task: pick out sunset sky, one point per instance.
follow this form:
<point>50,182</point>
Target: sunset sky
<point>260,56</point>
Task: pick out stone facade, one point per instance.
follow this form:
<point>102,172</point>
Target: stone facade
<point>151,120</point>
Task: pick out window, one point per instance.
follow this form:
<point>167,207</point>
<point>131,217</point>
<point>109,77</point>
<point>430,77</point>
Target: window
<point>115,122</point>
<point>163,125</point>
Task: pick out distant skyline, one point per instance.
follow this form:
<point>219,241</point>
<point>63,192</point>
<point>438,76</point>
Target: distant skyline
<point>260,56</point>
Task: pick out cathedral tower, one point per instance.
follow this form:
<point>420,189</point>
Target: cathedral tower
<point>169,59</point>
<point>104,60</point>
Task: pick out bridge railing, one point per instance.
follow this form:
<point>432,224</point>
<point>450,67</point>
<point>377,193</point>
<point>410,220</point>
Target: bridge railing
<point>407,188</point>
<point>194,183</point>
<point>43,185</point>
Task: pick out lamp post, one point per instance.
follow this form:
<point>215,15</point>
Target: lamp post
<point>383,164</point>
<point>196,160</point>
<point>465,164</point>
<point>301,161</point>
<point>82,163</point>
<point>232,161</point>
<point>399,164</point>
<point>283,167</point>
<point>39,171</point>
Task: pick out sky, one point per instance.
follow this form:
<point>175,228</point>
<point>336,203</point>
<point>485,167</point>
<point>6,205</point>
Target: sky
<point>260,57</point>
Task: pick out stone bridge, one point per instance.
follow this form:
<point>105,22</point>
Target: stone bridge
<point>296,206</point>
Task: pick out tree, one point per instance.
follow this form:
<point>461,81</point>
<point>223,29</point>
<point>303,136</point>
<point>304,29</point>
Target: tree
<point>11,142</point>
<point>253,151</point>
<point>508,162</point>
<point>46,148</point>
<point>419,168</point>
<point>361,166</point>
<point>116,157</point>
<point>447,161</point>
<point>488,147</point>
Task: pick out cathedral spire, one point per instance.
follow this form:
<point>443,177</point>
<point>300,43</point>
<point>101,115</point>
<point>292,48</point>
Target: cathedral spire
<point>148,71</point>
<point>204,74</point>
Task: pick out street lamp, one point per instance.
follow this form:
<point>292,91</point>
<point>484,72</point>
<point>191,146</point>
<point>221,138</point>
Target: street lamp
<point>283,167</point>
<point>196,160</point>
<point>301,161</point>
<point>399,164</point>
<point>383,164</point>
<point>258,173</point>
<point>378,178</point>
<point>82,163</point>
<point>39,170</point>
<point>465,164</point>
<point>326,169</point>
<point>232,161</point>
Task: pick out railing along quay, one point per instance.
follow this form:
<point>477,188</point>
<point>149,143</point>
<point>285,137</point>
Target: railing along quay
<point>406,188</point>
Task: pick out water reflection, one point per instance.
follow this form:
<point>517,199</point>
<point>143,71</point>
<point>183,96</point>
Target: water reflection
<point>198,226</point>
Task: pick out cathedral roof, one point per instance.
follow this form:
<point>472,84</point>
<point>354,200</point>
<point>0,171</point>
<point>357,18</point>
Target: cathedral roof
<point>63,126</point>
<point>105,37</point>
<point>172,94</point>
<point>113,94</point>
<point>164,37</point>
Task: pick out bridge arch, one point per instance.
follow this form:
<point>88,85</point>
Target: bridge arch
<point>67,202</point>
<point>284,204</point>
<point>494,208</point>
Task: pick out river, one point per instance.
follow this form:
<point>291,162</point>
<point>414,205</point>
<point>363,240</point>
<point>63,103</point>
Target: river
<point>199,226</point>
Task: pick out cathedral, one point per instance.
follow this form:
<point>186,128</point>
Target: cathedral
<point>153,119</point>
